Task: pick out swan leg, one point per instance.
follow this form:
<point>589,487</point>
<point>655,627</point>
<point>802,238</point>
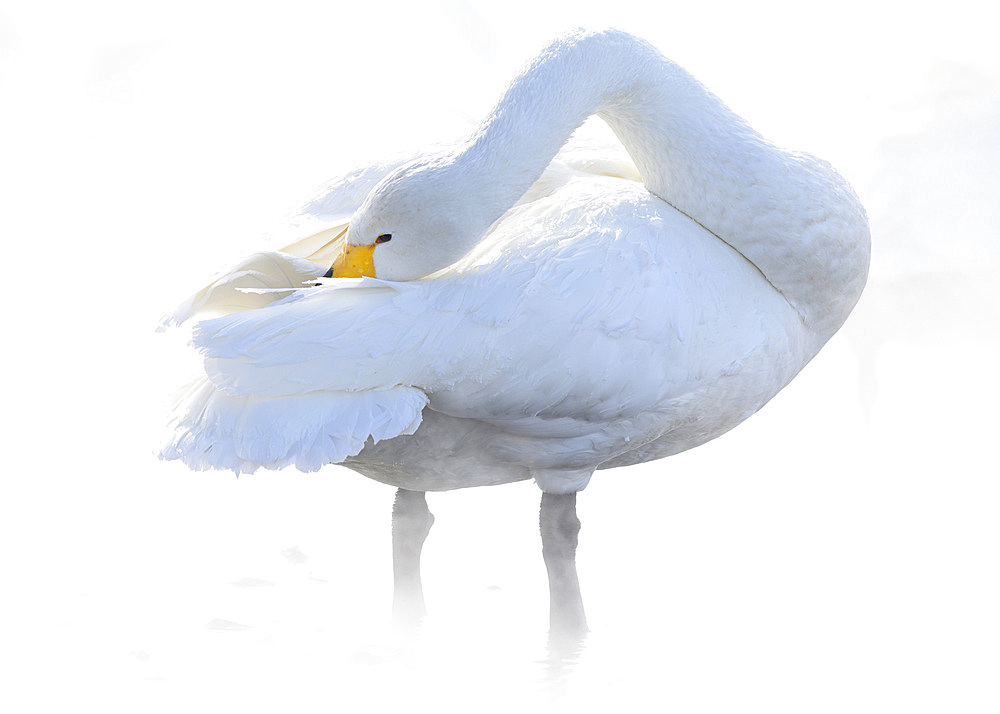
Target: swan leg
<point>560,532</point>
<point>411,522</point>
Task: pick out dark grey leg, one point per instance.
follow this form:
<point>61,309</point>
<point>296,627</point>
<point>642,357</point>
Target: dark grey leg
<point>560,530</point>
<point>411,522</point>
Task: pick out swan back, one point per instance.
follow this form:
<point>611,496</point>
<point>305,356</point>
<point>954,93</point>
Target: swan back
<point>788,213</point>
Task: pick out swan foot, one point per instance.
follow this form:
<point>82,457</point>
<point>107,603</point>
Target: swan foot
<point>560,533</point>
<point>411,522</point>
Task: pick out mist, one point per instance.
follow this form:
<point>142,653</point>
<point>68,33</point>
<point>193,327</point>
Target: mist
<point>835,552</point>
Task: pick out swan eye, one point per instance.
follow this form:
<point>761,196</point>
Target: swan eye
<point>384,238</point>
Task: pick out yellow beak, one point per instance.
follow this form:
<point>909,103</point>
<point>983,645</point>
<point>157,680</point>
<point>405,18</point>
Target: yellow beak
<point>354,261</point>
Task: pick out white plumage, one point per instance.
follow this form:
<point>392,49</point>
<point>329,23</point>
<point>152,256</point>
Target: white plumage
<point>533,317</point>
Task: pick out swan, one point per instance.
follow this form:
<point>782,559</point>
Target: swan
<point>518,307</point>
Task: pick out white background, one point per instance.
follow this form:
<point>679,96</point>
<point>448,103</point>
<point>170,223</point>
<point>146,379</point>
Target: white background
<point>838,552</point>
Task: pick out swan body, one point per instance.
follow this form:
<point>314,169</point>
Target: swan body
<point>538,310</point>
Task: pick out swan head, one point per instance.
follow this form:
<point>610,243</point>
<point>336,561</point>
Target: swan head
<point>417,220</point>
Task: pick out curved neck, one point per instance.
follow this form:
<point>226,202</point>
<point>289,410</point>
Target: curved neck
<point>667,121</point>
<point>692,152</point>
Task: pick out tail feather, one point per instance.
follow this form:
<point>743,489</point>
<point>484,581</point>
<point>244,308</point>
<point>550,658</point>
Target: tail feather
<point>212,429</point>
<point>254,282</point>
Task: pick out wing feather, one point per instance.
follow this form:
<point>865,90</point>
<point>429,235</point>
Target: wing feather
<point>212,429</point>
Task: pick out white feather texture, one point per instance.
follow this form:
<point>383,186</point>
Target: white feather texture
<point>573,312</point>
<point>213,429</point>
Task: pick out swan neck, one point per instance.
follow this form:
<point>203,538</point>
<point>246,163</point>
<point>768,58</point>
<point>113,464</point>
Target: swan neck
<point>660,113</point>
<point>792,216</point>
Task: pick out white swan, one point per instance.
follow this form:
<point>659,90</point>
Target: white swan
<point>514,327</point>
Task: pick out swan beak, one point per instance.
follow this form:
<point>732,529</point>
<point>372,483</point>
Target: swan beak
<point>354,261</point>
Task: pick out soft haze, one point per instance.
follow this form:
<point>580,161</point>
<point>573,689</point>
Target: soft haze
<point>836,552</point>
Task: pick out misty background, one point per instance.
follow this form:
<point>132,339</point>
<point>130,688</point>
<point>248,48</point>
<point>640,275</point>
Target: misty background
<point>836,552</point>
